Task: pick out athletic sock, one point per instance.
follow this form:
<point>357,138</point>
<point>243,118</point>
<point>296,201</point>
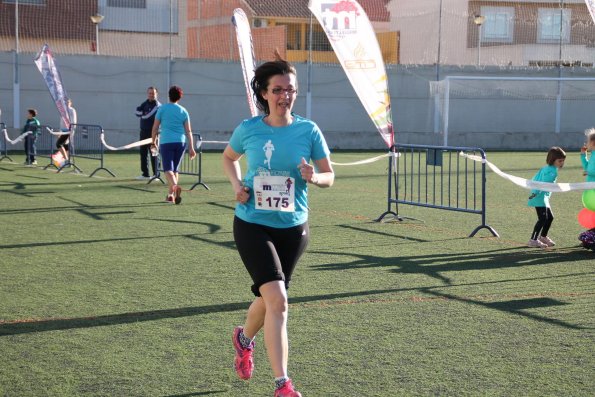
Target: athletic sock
<point>244,340</point>
<point>280,381</point>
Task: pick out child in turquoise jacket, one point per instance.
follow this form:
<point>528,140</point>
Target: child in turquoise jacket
<point>541,199</point>
<point>587,149</point>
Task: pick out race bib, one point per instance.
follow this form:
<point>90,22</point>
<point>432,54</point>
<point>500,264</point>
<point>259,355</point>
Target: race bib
<point>274,193</point>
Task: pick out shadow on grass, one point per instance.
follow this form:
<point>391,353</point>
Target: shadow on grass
<point>20,189</point>
<point>435,265</point>
<point>31,177</point>
<point>21,186</point>
<point>460,262</point>
<point>143,188</point>
<point>389,235</point>
<point>220,205</point>
<point>514,307</point>
<point>193,236</point>
<point>72,207</point>
<point>26,326</point>
<point>213,228</point>
<point>200,393</point>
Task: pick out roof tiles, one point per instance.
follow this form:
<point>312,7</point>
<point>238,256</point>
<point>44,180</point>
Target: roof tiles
<point>376,9</point>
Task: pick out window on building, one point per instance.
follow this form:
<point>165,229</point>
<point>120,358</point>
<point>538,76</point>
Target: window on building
<point>319,40</point>
<point>498,25</point>
<point>140,16</point>
<point>553,24</point>
<point>294,35</point>
<point>127,3</point>
<point>34,2</point>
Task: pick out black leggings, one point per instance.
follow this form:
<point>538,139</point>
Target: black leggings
<point>545,217</point>
<point>269,253</point>
<point>63,141</point>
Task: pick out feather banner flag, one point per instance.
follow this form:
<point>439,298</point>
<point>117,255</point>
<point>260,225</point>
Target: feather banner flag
<point>246,48</point>
<point>353,39</point>
<point>48,69</point>
<point>591,7</point>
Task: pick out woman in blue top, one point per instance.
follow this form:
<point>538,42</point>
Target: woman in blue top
<point>541,199</point>
<point>271,217</point>
<point>589,163</point>
<point>176,134</point>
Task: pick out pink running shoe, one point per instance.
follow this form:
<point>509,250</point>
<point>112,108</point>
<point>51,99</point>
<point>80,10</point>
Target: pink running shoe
<point>243,364</point>
<point>287,390</point>
<point>177,194</point>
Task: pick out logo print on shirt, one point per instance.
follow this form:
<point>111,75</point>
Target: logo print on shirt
<point>268,152</point>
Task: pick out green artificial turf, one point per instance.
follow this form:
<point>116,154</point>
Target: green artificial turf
<point>106,290</point>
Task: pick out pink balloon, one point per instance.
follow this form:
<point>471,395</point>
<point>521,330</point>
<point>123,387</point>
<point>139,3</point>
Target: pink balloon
<point>586,218</point>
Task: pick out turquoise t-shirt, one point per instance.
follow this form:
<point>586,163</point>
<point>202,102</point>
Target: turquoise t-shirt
<point>539,198</point>
<point>172,118</point>
<point>277,152</point>
<point>588,166</point>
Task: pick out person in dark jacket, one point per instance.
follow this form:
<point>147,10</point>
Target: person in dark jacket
<point>31,125</point>
<point>146,112</point>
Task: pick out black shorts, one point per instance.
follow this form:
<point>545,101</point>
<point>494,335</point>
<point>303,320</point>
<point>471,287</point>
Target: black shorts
<point>269,253</point>
<point>63,141</point>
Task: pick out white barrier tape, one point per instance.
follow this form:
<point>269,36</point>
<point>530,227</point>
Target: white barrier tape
<point>57,133</point>
<point>529,184</point>
<point>199,143</point>
<point>371,160</point>
<point>17,139</point>
<point>129,146</point>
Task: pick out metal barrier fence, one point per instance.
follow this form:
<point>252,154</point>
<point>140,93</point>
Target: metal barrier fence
<point>187,166</point>
<point>85,142</point>
<point>437,177</point>
<point>43,144</point>
<point>46,145</point>
<point>4,147</point>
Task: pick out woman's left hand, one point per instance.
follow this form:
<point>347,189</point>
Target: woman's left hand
<point>307,171</point>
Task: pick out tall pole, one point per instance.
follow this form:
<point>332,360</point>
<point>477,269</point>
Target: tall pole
<point>559,95</point>
<point>169,58</point>
<point>96,19</point>
<point>97,38</point>
<point>308,90</point>
<point>439,42</point>
<point>479,20</point>
<point>479,46</point>
<point>437,94</point>
<point>16,92</point>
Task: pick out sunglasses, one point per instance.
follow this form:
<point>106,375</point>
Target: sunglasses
<point>289,91</point>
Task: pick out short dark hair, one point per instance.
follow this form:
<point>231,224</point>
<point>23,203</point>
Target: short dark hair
<point>262,75</point>
<point>175,93</point>
<point>32,112</point>
<point>554,154</point>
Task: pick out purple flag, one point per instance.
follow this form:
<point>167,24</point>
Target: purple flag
<point>48,69</point>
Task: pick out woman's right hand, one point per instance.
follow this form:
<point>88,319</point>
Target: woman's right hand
<point>243,194</point>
